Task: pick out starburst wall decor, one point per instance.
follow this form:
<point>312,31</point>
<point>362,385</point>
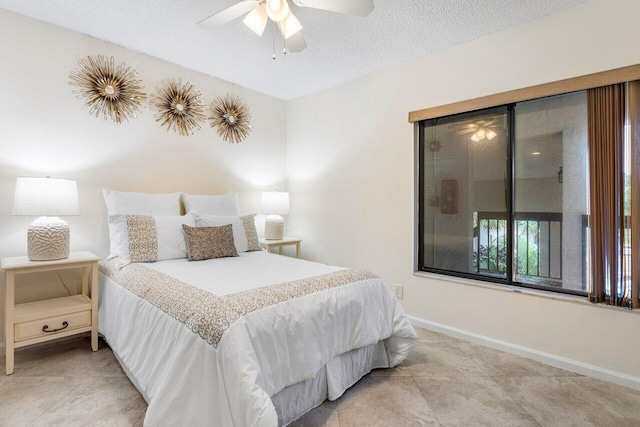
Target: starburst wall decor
<point>232,118</point>
<point>179,106</point>
<point>115,93</point>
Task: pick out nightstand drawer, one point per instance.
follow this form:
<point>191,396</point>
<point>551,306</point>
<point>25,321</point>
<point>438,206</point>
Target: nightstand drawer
<point>34,329</point>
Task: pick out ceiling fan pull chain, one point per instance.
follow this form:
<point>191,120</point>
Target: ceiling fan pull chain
<point>274,41</point>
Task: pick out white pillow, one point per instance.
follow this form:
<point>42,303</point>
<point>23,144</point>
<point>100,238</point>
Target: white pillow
<point>221,205</point>
<point>245,235</point>
<point>123,202</point>
<point>129,203</point>
<point>145,238</point>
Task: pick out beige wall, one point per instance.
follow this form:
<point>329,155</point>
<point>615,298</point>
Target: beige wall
<point>44,130</point>
<point>351,177</point>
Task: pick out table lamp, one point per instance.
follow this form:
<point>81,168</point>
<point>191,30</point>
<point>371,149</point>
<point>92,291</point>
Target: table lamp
<point>47,236</point>
<point>274,204</point>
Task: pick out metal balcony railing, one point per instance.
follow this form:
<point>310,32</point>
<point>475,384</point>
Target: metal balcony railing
<point>537,239</point>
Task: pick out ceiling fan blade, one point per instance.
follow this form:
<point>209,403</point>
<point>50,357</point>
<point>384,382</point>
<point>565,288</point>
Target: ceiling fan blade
<point>462,126</point>
<point>464,132</point>
<point>350,7</point>
<point>296,43</point>
<point>228,14</point>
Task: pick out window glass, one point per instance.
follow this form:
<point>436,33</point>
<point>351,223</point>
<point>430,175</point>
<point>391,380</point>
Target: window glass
<point>551,192</point>
<point>463,186</point>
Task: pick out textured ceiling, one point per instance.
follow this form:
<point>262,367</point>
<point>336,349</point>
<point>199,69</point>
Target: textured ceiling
<point>340,48</point>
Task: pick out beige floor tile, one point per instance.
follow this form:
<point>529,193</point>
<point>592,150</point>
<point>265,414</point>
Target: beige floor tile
<point>559,401</point>
<point>3,377</point>
<point>325,415</point>
<point>65,383</point>
<point>500,364</point>
<point>427,335</point>
<point>140,421</point>
<point>67,358</point>
<point>385,401</point>
<point>472,401</point>
<point>22,400</point>
<point>104,401</point>
<point>623,400</point>
<point>398,371</point>
<point>442,359</point>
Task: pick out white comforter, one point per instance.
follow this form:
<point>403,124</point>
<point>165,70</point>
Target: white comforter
<point>187,381</point>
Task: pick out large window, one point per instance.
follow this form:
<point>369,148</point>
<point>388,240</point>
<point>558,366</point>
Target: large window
<point>503,194</point>
<point>535,187</point>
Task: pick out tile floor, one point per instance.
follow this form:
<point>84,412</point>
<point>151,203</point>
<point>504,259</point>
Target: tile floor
<point>445,382</point>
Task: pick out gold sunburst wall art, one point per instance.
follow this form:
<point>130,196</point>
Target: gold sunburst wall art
<point>231,117</point>
<point>113,92</point>
<point>179,106</point>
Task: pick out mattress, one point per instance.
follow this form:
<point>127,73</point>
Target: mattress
<point>299,341</point>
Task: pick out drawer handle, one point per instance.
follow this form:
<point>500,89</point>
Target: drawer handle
<point>64,325</point>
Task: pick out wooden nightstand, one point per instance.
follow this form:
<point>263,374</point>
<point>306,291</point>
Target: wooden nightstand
<point>40,321</point>
<point>286,241</point>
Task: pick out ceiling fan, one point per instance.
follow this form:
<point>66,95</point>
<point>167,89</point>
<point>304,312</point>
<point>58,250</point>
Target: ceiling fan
<point>481,129</point>
<point>260,11</point>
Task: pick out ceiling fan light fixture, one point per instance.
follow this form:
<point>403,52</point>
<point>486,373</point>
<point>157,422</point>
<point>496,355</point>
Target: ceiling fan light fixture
<point>257,19</point>
<point>491,134</point>
<point>277,10</point>
<point>289,26</point>
<point>475,137</point>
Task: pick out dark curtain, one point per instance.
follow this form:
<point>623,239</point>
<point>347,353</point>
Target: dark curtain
<point>606,119</point>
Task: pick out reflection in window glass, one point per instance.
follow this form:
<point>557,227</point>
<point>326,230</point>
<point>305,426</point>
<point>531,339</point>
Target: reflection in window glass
<point>464,196</point>
<point>551,192</point>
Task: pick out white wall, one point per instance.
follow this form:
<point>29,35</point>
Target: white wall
<point>351,176</point>
<point>44,130</point>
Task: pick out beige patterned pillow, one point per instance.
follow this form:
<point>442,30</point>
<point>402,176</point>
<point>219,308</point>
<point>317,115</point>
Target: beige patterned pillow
<point>249,223</point>
<point>143,238</point>
<point>210,242</point>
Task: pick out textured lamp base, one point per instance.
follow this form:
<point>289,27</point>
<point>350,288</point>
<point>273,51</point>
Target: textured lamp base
<point>274,227</point>
<point>48,239</point>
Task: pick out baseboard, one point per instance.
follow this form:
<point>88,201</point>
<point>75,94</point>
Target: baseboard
<point>539,356</point>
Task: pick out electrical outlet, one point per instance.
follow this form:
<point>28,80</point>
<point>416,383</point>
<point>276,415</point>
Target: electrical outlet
<point>399,291</point>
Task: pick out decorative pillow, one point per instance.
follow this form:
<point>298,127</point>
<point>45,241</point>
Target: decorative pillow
<point>244,229</point>
<point>210,242</point>
<point>224,204</point>
<point>144,238</point>
<point>129,203</point>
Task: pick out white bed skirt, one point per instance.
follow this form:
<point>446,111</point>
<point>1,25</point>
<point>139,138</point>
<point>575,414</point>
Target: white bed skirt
<point>330,383</point>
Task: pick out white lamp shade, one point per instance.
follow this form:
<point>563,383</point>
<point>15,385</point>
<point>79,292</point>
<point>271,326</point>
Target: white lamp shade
<point>289,26</point>
<point>257,19</point>
<point>275,202</point>
<point>46,197</point>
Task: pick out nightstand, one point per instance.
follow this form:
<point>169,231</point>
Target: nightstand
<point>286,241</point>
<point>45,320</point>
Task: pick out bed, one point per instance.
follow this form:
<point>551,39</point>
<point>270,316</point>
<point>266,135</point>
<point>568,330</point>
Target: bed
<point>254,339</point>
